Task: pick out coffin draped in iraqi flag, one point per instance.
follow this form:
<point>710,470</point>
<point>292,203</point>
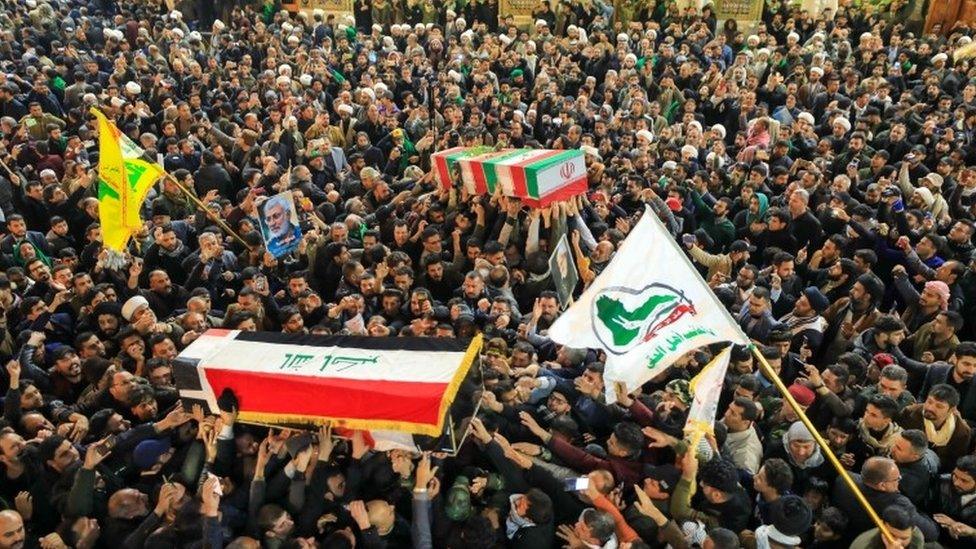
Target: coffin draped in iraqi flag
<point>537,176</point>
<point>407,392</point>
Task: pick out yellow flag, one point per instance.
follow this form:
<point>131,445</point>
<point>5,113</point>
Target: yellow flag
<point>112,186</point>
<point>127,177</point>
<point>140,176</point>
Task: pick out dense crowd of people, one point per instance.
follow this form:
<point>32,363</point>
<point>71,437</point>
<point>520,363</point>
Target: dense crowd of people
<point>819,169</point>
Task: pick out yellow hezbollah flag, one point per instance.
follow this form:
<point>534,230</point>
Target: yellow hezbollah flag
<point>130,184</point>
<point>112,186</point>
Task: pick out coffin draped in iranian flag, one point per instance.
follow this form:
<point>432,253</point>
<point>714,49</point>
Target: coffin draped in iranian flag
<point>537,176</point>
<point>407,392</point>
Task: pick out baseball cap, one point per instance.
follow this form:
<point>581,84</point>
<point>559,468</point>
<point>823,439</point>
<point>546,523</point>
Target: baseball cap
<point>666,475</point>
<point>740,246</point>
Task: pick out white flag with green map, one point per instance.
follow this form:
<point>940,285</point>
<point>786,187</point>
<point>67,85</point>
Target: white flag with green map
<point>646,309</point>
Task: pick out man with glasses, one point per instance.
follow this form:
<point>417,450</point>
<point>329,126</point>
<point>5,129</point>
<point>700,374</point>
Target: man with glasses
<point>878,482</point>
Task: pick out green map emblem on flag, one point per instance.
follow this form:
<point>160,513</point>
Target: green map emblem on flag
<point>625,318</point>
<point>647,309</point>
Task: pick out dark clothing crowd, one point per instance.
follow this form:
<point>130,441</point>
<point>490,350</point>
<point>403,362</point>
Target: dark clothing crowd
<point>819,169</point>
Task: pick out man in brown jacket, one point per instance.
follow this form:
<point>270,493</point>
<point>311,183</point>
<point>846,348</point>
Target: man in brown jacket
<point>948,433</point>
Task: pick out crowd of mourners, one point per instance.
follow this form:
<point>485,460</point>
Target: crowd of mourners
<point>819,169</point>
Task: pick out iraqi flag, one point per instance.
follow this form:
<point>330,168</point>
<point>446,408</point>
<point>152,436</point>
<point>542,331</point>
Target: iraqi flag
<point>400,385</point>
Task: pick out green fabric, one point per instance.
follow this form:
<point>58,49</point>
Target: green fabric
<point>672,110</point>
<point>37,253</point>
<point>763,207</point>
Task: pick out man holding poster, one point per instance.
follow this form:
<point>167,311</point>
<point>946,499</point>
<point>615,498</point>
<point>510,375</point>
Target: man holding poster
<point>563,271</point>
<point>279,224</point>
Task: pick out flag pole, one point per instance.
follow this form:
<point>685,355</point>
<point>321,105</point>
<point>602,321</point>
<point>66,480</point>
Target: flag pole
<point>771,375</point>
<point>768,371</point>
<point>214,217</point>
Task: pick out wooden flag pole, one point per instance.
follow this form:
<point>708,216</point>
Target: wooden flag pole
<point>771,375</point>
<point>215,218</point>
<point>9,171</point>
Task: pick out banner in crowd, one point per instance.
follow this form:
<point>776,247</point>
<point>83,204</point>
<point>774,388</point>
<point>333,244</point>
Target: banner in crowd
<point>646,309</point>
<point>279,224</point>
<point>562,268</point>
<point>706,388</point>
<point>538,177</point>
<point>125,178</point>
<point>404,384</point>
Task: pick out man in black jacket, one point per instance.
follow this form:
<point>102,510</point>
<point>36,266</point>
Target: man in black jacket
<point>878,481</point>
<point>916,470</point>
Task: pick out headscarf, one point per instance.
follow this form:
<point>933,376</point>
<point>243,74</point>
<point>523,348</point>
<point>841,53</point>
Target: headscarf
<point>940,288</point>
<point>37,253</point>
<point>798,431</point>
<point>763,207</point>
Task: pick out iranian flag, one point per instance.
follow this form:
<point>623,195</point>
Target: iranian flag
<point>476,173</point>
<point>400,385</point>
<point>444,161</point>
<point>538,177</point>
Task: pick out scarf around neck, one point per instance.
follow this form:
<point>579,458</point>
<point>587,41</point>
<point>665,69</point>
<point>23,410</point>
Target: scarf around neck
<point>940,437</point>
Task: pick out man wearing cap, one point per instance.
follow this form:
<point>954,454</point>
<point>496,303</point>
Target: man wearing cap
<point>805,320</point>
<point>721,266</point>
<point>658,484</point>
<point>800,451</point>
<point>852,315</point>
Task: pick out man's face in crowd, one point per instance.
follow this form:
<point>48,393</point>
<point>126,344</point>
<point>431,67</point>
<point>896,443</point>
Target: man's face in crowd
<point>734,419</point>
<point>435,271</point>
<point>785,269</point>
<point>801,450</point>
<point>69,366</point>
<point>296,286</point>
<point>964,367</point>
<point>11,448</point>
<point>122,383</point>
<point>39,271</point>
<point>400,234</point>
<point>903,452</point>
<point>403,281</point>
<point>963,482</point>
<point>936,410</point>
<point>168,240</point>
<point>108,324</point>
<point>757,306</point>
<point>891,387</point>
<point>959,233</point>
<point>165,349</point>
<point>160,283</point>
<point>745,279</point>
<point>432,244</point>
<point>64,456</point>
<point>473,287</point>
<point>12,532</point>
<point>874,419</point>
<point>836,438</point>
